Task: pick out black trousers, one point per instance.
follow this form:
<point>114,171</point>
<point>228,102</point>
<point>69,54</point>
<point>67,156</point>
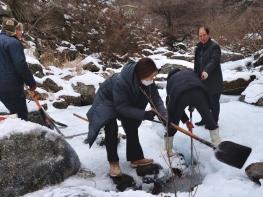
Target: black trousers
<point>16,104</point>
<point>133,147</point>
<point>196,98</point>
<point>215,105</point>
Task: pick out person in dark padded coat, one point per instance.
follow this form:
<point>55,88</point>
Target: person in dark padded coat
<point>14,72</point>
<point>207,66</point>
<point>123,97</point>
<point>184,88</point>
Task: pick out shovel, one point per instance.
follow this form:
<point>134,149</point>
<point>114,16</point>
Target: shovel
<point>228,152</point>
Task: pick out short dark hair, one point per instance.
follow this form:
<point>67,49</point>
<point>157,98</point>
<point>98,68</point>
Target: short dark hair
<point>205,28</point>
<point>145,67</point>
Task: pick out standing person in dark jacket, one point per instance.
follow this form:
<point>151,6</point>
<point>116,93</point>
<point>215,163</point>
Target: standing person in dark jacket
<point>123,96</point>
<point>14,72</point>
<point>184,88</point>
<point>207,66</point>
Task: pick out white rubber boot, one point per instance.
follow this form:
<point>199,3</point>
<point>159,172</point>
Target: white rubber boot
<point>168,145</point>
<point>214,135</point>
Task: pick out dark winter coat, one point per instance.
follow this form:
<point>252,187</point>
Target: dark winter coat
<point>207,58</point>
<point>177,83</point>
<point>14,72</point>
<point>120,96</point>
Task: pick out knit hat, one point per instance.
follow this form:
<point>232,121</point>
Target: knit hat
<point>144,68</point>
<point>10,25</point>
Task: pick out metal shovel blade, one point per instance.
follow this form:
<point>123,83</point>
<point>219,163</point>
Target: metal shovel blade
<point>232,154</point>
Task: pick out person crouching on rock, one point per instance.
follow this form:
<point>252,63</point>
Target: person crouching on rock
<point>125,96</point>
<point>184,88</point>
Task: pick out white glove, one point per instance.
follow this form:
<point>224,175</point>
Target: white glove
<point>204,75</point>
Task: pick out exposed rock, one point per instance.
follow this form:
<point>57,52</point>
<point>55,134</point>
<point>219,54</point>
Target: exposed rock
<point>180,47</point>
<point>182,57</point>
<point>5,10</point>
<point>50,85</point>
<point>147,52</point>
<point>90,67</point>
<point>168,54</point>
<point>226,57</point>
<point>87,93</point>
<point>36,70</point>
<point>259,61</point>
<point>69,55</point>
<point>34,160</point>
<point>60,104</point>
<point>72,100</point>
<point>255,172</point>
<point>168,67</point>
<point>68,77</point>
<point>236,87</point>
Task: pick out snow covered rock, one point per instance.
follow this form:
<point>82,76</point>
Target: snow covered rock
<point>236,86</point>
<point>50,85</point>
<point>90,67</point>
<point>36,70</point>
<point>168,67</point>
<point>258,59</point>
<point>254,92</point>
<point>230,56</point>
<point>33,159</point>
<point>87,93</point>
<point>60,104</point>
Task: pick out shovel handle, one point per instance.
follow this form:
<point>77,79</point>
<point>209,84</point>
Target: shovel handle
<point>186,132</point>
<point>81,117</point>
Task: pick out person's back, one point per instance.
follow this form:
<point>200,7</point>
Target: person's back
<point>11,55</point>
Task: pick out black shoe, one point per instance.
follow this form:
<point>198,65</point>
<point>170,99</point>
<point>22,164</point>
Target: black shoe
<point>201,123</point>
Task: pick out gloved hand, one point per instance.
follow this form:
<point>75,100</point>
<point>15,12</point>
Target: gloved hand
<point>149,115</point>
<point>189,125</point>
<point>204,75</point>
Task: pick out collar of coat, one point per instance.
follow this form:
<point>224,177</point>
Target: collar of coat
<point>204,46</point>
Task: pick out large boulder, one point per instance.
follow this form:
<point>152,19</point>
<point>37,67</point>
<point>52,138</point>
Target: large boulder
<point>30,161</point>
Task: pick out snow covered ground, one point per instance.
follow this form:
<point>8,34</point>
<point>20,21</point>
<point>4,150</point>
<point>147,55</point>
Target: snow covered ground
<point>239,122</point>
